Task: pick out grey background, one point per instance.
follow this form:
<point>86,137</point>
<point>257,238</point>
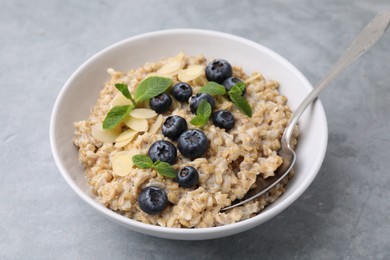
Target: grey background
<point>345,213</point>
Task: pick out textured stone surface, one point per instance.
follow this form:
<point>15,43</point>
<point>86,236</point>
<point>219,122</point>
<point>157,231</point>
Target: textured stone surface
<point>343,215</point>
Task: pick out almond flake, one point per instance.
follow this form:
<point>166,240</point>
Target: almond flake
<point>121,144</point>
<point>200,81</point>
<point>129,153</point>
<point>105,136</point>
<point>179,56</point>
<point>126,135</point>
<point>122,164</point>
<point>137,124</point>
<point>143,113</point>
<point>124,138</point>
<point>159,75</point>
<point>156,125</point>
<point>120,100</point>
<point>171,68</point>
<point>191,73</point>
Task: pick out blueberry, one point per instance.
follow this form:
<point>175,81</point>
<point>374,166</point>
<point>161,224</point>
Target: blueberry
<point>164,151</point>
<point>193,143</point>
<point>182,91</point>
<point>187,177</point>
<point>218,71</point>
<point>230,82</point>
<point>223,119</point>
<point>195,101</point>
<point>161,103</point>
<point>174,126</point>
<point>152,200</point>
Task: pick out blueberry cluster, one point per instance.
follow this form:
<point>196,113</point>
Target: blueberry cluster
<point>219,71</point>
<point>161,104</point>
<point>192,143</point>
<point>153,200</point>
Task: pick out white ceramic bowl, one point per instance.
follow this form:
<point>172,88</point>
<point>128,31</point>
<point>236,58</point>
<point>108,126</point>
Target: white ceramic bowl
<point>81,91</point>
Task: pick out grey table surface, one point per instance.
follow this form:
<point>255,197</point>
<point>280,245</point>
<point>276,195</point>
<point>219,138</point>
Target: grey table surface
<point>345,213</point>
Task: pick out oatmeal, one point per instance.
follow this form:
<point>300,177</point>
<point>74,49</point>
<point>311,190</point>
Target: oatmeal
<point>218,142</point>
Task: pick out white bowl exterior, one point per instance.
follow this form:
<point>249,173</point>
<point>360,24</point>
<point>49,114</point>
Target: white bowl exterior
<point>81,91</point>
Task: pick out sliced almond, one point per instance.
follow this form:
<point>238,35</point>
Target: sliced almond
<point>200,81</point>
<point>105,136</point>
<point>171,68</point>
<point>137,124</point>
<point>120,100</point>
<point>122,164</point>
<point>143,113</point>
<point>124,138</point>
<point>157,124</point>
<point>121,144</point>
<point>191,73</point>
<point>179,56</point>
<point>126,135</point>
<point>129,153</point>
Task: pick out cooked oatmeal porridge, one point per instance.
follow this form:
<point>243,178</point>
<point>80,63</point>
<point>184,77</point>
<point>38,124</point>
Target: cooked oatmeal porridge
<point>217,156</point>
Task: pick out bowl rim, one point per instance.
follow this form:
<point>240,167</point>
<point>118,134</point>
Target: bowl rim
<point>262,217</point>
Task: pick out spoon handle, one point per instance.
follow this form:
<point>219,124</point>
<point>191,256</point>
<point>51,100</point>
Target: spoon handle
<point>364,41</point>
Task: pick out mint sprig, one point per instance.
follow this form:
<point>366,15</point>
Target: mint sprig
<point>124,89</point>
<point>142,161</point>
<point>213,89</point>
<point>147,89</point>
<point>238,88</point>
<point>162,168</point>
<point>151,87</point>
<point>116,115</point>
<point>203,113</point>
<point>241,103</point>
<point>235,94</point>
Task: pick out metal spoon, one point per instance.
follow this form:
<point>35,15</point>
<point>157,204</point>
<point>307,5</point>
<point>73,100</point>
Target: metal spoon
<point>364,41</point>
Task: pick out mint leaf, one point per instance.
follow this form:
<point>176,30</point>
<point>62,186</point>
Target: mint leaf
<point>124,90</point>
<point>142,161</point>
<point>198,121</point>
<point>235,94</point>
<point>240,85</point>
<point>203,113</point>
<point>164,169</point>
<point>238,88</point>
<point>213,89</point>
<point>204,109</point>
<point>116,115</point>
<point>151,87</point>
<point>241,103</point>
